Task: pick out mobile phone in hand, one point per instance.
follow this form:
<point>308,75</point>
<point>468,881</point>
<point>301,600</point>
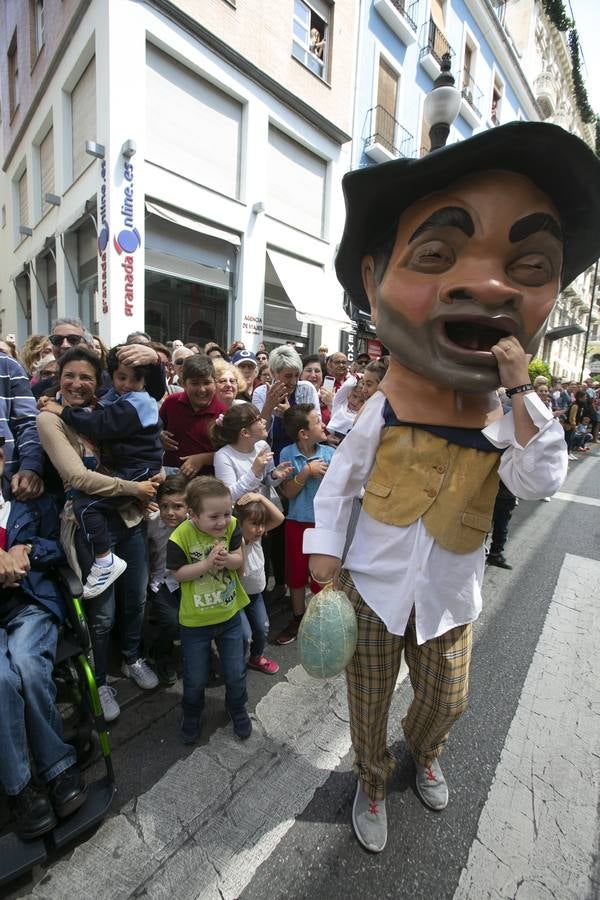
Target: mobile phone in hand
<point>328,382</point>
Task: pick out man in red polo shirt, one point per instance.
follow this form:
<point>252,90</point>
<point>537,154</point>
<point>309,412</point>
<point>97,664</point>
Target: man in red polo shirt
<point>187,417</point>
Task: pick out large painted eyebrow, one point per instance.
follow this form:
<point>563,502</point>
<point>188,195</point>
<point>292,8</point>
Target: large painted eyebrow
<point>523,228</point>
<point>447,217</point>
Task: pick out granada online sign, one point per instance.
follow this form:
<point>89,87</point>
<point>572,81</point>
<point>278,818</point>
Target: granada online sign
<point>128,239</point>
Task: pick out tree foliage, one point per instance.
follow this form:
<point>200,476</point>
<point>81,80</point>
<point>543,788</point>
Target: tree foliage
<point>537,367</point>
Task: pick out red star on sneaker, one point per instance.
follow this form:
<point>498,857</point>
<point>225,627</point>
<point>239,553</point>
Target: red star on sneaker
<point>373,809</point>
<point>430,775</point>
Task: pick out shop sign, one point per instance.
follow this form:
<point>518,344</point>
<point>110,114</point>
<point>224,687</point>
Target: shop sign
<point>128,239</point>
<point>103,238</point>
<point>252,324</point>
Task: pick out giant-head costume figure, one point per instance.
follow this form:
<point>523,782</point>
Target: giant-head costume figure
<point>471,244</point>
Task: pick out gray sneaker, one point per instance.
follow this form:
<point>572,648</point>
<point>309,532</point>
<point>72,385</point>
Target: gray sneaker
<point>110,707</point>
<point>141,673</point>
<point>432,786</point>
<point>369,821</point>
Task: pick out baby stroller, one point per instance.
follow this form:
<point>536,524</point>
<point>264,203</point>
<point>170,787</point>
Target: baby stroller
<point>84,728</point>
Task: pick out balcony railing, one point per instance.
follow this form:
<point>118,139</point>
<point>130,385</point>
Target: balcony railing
<point>545,91</point>
<point>472,93</point>
<point>435,44</point>
<point>384,131</point>
<point>408,9</point>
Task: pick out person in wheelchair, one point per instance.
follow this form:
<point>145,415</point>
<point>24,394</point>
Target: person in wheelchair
<point>31,610</point>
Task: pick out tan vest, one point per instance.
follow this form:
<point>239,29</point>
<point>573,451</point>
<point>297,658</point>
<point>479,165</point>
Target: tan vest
<point>418,474</point>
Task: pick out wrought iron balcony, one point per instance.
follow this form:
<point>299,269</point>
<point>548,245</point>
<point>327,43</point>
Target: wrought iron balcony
<point>408,9</point>
<point>386,138</point>
<point>434,45</point>
<point>473,96</point>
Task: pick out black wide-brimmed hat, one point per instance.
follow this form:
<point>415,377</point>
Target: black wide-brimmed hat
<point>560,164</point>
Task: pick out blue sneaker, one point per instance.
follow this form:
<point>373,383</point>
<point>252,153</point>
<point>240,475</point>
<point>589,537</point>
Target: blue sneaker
<point>190,730</point>
<point>242,724</point>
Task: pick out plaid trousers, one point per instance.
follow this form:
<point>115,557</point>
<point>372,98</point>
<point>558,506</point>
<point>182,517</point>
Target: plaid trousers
<point>439,675</point>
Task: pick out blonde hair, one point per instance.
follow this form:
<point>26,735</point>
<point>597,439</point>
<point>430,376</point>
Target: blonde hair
<point>222,367</point>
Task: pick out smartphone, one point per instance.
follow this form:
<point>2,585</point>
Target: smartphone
<point>328,382</point>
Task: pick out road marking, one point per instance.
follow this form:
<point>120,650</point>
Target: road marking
<point>201,832</point>
<point>577,498</point>
<point>538,829</point>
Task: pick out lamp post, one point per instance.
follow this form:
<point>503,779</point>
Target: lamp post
<point>441,105</point>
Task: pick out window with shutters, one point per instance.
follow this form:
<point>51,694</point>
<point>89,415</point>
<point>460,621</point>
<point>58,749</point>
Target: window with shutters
<point>13,76</point>
<point>36,27</point>
<point>387,99</point>
<point>296,184</point>
<point>83,118</point>
<point>47,169</point>
<point>497,94</point>
<point>23,200</point>
<point>311,31</point>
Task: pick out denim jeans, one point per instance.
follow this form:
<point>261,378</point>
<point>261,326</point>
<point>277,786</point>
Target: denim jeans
<point>126,599</point>
<point>195,644</point>
<point>255,624</point>
<point>29,718</point>
<point>165,606</point>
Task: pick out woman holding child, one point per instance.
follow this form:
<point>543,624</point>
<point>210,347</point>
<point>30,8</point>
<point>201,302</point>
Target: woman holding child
<point>77,462</point>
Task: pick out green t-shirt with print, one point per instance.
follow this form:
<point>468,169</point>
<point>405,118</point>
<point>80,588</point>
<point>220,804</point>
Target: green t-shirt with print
<point>215,597</point>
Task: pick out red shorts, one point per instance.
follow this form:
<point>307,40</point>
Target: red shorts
<point>296,562</point>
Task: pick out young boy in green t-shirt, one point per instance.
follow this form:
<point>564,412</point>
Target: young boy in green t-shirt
<point>203,555</point>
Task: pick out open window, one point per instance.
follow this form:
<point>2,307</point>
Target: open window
<point>310,44</point>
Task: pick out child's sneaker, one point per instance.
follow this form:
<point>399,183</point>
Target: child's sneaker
<point>262,664</point>
<point>101,577</point>
<point>110,708</point>
<point>242,724</point>
<point>167,674</point>
<point>190,730</point>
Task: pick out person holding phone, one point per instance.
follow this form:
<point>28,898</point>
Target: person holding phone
<point>285,390</point>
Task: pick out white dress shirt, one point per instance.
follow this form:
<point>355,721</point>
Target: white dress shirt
<point>395,568</point>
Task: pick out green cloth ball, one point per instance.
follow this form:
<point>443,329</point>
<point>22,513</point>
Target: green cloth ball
<point>328,633</point>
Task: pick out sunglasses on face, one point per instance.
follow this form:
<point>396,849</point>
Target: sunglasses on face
<point>57,339</point>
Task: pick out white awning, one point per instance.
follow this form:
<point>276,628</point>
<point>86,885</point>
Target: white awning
<point>316,296</point>
<point>185,221</point>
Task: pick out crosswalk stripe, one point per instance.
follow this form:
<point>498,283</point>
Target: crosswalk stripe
<point>537,831</point>
<point>577,498</point>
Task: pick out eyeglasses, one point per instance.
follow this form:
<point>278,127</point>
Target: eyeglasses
<point>73,339</point>
<point>179,362</point>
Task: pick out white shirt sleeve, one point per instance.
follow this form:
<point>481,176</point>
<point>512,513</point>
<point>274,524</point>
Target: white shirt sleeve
<point>239,483</point>
<point>347,474</point>
<point>538,469</point>
<point>259,396</point>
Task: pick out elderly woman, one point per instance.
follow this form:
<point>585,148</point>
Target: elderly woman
<point>230,382</point>
<point>286,390</point>
<point>76,461</point>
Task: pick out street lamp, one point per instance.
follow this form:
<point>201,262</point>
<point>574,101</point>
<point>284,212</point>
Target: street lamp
<point>441,105</point>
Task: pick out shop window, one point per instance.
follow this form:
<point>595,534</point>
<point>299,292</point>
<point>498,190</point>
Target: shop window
<point>311,31</point>
<point>13,76</point>
<point>188,310</point>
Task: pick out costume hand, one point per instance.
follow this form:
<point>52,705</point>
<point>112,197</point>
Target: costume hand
<point>26,485</point>
<point>260,463</point>
<point>282,471</point>
<point>324,569</point>
<point>168,441</point>
<point>138,355</point>
<point>512,362</point>
<point>50,405</point>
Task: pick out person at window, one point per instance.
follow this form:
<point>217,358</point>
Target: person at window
<point>317,44</point>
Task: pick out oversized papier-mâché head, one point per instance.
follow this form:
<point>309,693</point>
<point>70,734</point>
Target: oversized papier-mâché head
<point>471,243</point>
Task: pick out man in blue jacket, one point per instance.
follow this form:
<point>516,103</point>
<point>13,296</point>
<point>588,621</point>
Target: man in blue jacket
<point>31,610</point>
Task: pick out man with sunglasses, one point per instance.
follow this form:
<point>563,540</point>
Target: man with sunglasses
<point>68,333</point>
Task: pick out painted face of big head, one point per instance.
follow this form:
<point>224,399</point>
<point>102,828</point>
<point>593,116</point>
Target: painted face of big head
<point>470,265</point>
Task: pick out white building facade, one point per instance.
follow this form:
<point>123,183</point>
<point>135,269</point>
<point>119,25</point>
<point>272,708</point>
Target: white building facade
<point>161,177</point>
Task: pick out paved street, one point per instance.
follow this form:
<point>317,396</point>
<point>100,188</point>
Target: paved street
<point>270,817</point>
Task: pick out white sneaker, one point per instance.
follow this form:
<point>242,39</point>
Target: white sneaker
<point>110,707</point>
<point>101,577</point>
<point>546,499</point>
<point>571,456</point>
<point>141,673</point>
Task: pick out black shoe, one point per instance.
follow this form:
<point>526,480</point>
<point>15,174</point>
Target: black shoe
<point>165,670</point>
<point>242,724</point>
<point>33,813</point>
<point>67,792</point>
<point>190,730</point>
<point>497,559</point>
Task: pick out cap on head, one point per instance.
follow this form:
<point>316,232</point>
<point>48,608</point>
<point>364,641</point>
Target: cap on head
<point>558,163</point>
<point>241,356</point>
